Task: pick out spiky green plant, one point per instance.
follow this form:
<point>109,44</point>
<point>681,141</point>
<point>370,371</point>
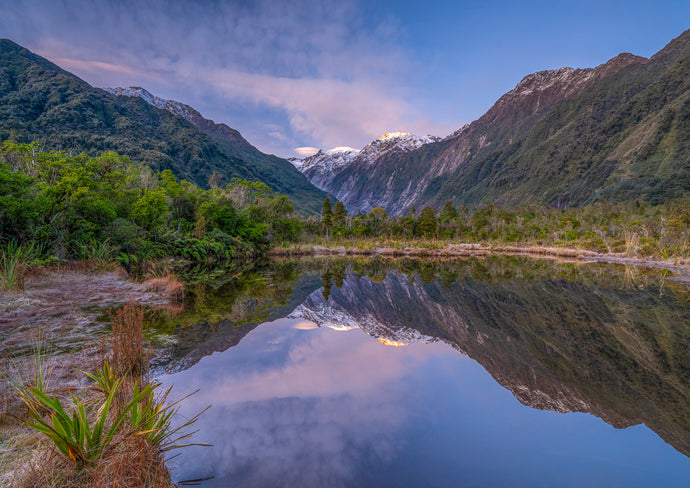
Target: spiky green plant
<point>95,250</point>
<point>87,434</point>
<point>82,441</point>
<point>152,417</point>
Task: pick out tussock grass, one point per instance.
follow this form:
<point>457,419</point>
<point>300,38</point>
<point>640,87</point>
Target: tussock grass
<point>15,260</point>
<point>128,354</point>
<point>111,433</point>
<point>169,285</point>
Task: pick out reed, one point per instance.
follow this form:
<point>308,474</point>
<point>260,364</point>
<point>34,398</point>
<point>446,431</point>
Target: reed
<point>169,285</point>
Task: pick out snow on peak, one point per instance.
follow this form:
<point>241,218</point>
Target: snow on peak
<point>393,135</point>
<point>395,140</point>
<point>326,162</point>
<point>342,149</point>
<point>175,107</point>
<point>323,166</point>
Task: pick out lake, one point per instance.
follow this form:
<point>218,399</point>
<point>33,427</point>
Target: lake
<point>501,371</point>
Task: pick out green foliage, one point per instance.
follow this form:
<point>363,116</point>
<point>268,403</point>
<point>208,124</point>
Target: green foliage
<point>14,262</point>
<point>326,214</point>
<point>84,432</point>
<point>339,215</point>
<point>633,228</point>
<point>80,440</point>
<point>448,213</point>
<point>105,208</point>
<point>427,224</point>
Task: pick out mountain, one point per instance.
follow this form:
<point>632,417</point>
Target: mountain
<point>40,101</point>
<point>620,132</point>
<point>341,170</point>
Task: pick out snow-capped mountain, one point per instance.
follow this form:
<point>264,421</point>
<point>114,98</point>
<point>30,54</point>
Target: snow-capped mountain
<point>178,108</point>
<point>171,106</point>
<point>338,169</point>
<point>332,159</point>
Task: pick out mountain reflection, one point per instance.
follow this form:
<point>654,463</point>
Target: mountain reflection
<point>314,400</point>
<point>601,340</point>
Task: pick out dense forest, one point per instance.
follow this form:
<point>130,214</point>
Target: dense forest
<point>636,228</point>
<point>56,207</point>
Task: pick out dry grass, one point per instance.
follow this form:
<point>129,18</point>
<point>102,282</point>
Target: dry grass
<point>133,463</point>
<point>168,285</point>
<point>128,354</point>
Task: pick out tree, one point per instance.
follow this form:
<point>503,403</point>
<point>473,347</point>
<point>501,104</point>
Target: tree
<point>339,215</point>
<point>448,213</point>
<point>427,224</point>
<point>326,215</point>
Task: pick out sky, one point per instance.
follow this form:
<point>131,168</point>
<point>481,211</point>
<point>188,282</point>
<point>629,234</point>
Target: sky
<point>304,74</point>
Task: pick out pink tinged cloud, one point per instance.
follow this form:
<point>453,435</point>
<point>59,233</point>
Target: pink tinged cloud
<point>328,110</point>
<point>306,151</point>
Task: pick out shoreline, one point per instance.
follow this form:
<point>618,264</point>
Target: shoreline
<point>676,264</point>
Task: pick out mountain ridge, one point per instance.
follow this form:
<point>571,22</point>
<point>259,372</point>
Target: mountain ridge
<point>337,170</point>
<point>41,101</point>
<point>562,137</point>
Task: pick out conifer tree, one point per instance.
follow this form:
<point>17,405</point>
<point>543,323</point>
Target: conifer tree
<point>339,215</point>
<point>326,215</point>
<point>448,213</point>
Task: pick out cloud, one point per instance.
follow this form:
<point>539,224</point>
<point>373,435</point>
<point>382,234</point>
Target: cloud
<point>302,405</point>
<point>96,66</point>
<point>322,108</point>
<point>306,151</point>
<point>322,70</point>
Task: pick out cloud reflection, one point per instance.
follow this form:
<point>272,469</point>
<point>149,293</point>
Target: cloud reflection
<point>308,407</point>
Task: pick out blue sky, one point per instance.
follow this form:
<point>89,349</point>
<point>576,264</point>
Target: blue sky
<point>325,73</point>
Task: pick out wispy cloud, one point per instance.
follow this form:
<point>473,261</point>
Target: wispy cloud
<point>322,108</point>
<point>321,70</point>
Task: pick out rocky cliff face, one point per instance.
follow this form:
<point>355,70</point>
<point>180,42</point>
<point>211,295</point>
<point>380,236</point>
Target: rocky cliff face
<point>561,137</point>
<point>459,167</point>
<point>527,103</point>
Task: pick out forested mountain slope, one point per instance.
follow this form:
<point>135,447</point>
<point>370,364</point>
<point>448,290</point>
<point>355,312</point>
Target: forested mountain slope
<point>40,101</point>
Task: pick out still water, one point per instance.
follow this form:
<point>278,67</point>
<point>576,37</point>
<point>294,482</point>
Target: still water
<point>498,372</point>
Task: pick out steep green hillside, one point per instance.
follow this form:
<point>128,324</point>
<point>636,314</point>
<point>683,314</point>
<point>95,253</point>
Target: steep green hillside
<point>623,137</point>
<point>40,101</point>
<point>563,137</point>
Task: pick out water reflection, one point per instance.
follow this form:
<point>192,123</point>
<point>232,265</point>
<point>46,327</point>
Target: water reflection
<point>301,405</point>
<point>296,404</point>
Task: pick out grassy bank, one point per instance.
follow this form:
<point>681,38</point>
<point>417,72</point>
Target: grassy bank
<point>440,248</point>
<point>108,427</point>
